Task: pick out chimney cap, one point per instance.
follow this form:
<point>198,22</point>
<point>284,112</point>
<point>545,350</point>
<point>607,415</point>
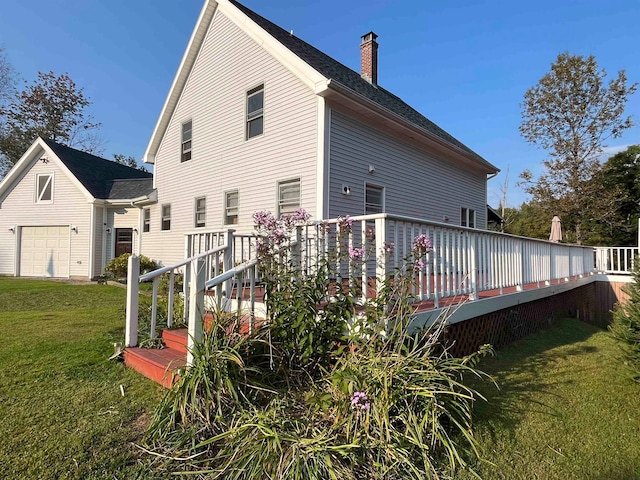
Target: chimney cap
<point>371,36</point>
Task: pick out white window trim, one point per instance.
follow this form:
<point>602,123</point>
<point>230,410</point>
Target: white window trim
<point>384,197</point>
<point>196,212</point>
<point>255,89</point>
<point>466,214</point>
<point>226,207</point>
<point>289,180</point>
<point>162,217</point>
<point>146,222</point>
<point>50,182</point>
<point>183,141</point>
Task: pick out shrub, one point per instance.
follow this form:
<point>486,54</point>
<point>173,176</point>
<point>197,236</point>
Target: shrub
<point>626,327</point>
<point>118,266</point>
<point>292,402</point>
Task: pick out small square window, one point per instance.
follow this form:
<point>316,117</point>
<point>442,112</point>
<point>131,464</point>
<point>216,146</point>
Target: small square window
<point>201,212</point>
<point>468,217</point>
<point>288,196</point>
<point>166,217</point>
<point>231,208</point>
<point>186,141</point>
<point>44,188</point>
<point>255,112</point>
<point>146,220</point>
<point>374,199</point>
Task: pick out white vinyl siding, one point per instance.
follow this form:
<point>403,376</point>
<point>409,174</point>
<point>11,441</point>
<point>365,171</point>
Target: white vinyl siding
<point>231,201</point>
<point>71,208</point>
<point>417,183</point>
<point>216,102</point>
<point>288,196</point>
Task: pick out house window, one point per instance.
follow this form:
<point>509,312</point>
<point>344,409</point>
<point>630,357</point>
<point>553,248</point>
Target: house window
<point>468,217</point>
<point>231,208</point>
<point>374,199</point>
<point>201,212</point>
<point>166,217</point>
<point>288,196</point>
<point>146,220</point>
<point>186,141</point>
<point>255,112</point>
<point>44,188</point>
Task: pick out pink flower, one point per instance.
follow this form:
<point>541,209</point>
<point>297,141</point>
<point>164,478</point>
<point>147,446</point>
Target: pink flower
<point>356,253</point>
<point>345,224</point>
<point>422,244</point>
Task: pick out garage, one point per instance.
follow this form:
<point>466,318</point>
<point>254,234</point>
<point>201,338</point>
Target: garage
<point>44,251</point>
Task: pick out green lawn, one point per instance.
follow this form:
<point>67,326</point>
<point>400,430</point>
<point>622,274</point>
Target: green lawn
<point>61,411</point>
<point>564,410</point>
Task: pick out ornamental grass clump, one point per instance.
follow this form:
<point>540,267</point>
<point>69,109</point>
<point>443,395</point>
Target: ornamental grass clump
<point>329,387</point>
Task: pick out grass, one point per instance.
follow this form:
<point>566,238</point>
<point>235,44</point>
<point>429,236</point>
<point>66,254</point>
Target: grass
<point>61,411</point>
<point>565,409</point>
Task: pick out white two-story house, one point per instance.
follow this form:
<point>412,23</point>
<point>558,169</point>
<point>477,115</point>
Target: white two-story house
<point>258,119</point>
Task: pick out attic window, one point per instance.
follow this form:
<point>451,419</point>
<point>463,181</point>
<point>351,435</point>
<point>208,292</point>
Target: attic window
<point>44,188</point>
<point>255,112</point>
<point>186,141</point>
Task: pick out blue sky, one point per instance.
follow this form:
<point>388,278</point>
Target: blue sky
<point>465,64</point>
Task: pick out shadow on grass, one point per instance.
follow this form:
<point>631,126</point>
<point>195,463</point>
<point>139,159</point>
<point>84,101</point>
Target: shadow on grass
<point>521,373</point>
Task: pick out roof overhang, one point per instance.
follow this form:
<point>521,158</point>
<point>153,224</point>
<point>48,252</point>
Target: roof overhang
<point>141,201</point>
<point>382,117</point>
<point>308,75</point>
<point>38,150</point>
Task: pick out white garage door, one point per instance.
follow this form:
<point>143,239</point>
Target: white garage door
<point>44,251</point>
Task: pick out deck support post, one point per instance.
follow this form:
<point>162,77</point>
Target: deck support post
<point>131,329</point>
<point>521,266</point>
<point>196,306</point>
<point>473,266</point>
<point>381,264</point>
<point>228,264</point>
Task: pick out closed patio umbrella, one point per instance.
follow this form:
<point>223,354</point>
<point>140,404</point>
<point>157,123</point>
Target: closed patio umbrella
<point>556,230</point>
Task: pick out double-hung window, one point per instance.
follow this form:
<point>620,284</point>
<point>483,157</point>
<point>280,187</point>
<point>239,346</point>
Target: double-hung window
<point>44,188</point>
<point>146,220</point>
<point>373,199</point>
<point>231,208</point>
<point>166,217</point>
<point>468,217</point>
<point>288,196</point>
<point>200,212</point>
<point>255,112</point>
<point>186,141</point>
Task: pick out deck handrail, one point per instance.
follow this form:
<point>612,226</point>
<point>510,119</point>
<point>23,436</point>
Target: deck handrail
<point>161,271</point>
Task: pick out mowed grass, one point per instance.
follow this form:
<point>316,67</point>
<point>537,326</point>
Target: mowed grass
<point>564,409</point>
<point>62,414</point>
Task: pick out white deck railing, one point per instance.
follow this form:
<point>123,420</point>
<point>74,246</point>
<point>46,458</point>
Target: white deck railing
<point>462,262</point>
<point>616,260</point>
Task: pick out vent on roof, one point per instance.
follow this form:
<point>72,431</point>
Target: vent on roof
<point>369,58</point>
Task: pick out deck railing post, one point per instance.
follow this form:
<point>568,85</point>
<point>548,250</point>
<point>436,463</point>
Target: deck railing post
<point>381,263</point>
<point>133,274</point>
<point>473,266</point>
<point>196,306</point>
<point>521,265</point>
<point>228,260</point>
<point>296,248</point>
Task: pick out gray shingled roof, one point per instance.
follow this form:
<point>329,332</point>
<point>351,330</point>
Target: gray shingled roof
<point>342,74</point>
<point>103,178</point>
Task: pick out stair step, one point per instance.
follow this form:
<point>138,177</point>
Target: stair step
<point>156,364</point>
<point>176,339</point>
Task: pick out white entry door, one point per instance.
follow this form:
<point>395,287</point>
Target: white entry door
<point>44,251</point>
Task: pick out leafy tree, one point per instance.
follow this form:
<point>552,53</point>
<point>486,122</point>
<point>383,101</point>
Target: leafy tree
<point>626,327</point>
<point>570,113</point>
<point>53,107</point>
<point>7,80</point>
<point>530,220</point>
<point>620,176</point>
<point>128,161</point>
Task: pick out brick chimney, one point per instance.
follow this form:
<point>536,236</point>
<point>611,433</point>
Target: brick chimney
<point>369,58</point>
